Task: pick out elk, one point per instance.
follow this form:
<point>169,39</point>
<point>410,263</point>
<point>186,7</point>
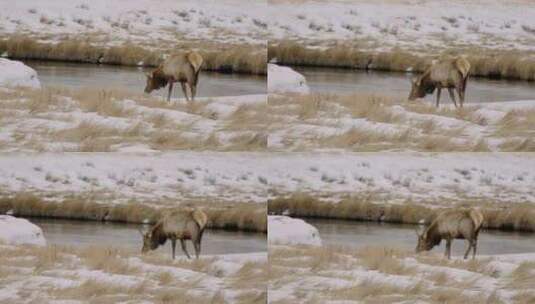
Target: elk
<point>449,225</point>
<point>180,225</point>
<point>451,73</point>
<point>183,68</point>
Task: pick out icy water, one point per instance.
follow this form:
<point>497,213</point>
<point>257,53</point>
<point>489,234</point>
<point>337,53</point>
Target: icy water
<point>87,233</point>
<point>360,234</point>
<point>76,75</point>
<point>479,90</point>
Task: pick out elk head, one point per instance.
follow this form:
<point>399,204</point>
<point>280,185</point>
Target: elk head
<point>150,241</point>
<point>153,82</point>
<point>419,88</point>
<point>425,242</point>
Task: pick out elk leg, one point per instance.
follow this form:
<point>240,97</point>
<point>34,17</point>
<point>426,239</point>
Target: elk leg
<point>193,89</point>
<point>452,96</point>
<point>173,246</point>
<point>184,90</point>
<point>438,95</point>
<point>197,245</point>
<point>474,249</point>
<point>183,244</point>
<point>447,253</point>
<point>170,90</point>
<point>468,249</point>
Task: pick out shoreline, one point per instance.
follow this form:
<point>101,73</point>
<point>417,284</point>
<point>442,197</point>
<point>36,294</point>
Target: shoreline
<point>491,64</point>
<point>239,217</point>
<point>515,218</point>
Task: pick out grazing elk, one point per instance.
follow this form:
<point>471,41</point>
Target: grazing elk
<point>449,73</point>
<point>449,225</point>
<point>183,68</point>
<point>177,225</point>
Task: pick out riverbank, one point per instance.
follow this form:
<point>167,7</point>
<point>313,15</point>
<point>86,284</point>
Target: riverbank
<point>319,274</point>
<point>488,63</point>
<point>235,58</point>
<point>138,32</point>
<point>496,36</point>
<point>100,274</point>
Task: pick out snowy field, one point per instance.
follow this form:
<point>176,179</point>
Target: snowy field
<point>388,275</point>
<point>150,177</point>
<point>368,123</point>
<point>93,120</point>
<point>55,274</point>
<point>143,22</point>
<point>419,26</point>
<point>436,179</point>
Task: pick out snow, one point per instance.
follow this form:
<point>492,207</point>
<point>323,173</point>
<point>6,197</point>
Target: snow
<point>285,80</point>
<point>292,231</point>
<point>141,22</point>
<point>422,26</point>
<point>17,231</point>
<point>433,179</point>
<point>15,73</point>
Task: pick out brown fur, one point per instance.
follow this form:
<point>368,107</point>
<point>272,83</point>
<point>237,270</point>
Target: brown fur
<point>449,225</point>
<point>449,73</point>
<point>183,68</point>
<point>182,225</point>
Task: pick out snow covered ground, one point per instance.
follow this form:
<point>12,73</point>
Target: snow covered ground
<point>17,74</point>
<point>143,22</point>
<point>56,274</point>
<point>389,275</point>
<point>100,121</point>
<point>18,231</point>
<point>361,122</point>
<point>415,25</point>
<point>435,179</point>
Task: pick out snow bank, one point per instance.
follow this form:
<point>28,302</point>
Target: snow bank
<point>16,73</point>
<point>18,231</point>
<point>287,230</point>
<point>285,80</point>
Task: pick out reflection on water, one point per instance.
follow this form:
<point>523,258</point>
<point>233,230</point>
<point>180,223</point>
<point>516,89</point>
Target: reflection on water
<point>360,234</point>
<point>87,233</point>
<point>398,84</point>
<point>76,75</point>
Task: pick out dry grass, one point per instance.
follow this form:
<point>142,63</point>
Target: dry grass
<point>367,207</point>
<point>236,216</point>
<point>485,62</point>
<point>370,275</point>
<point>228,59</point>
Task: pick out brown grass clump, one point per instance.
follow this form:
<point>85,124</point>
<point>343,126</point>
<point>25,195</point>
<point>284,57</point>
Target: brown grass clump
<point>386,260</point>
<point>106,259</point>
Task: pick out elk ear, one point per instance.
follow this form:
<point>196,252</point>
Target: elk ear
<point>149,75</point>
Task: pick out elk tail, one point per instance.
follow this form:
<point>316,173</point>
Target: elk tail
<point>463,66</point>
<point>200,218</point>
<point>477,218</point>
<point>196,61</point>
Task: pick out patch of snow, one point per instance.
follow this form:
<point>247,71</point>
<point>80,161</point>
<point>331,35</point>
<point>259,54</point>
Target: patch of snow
<point>285,80</point>
<point>292,231</point>
<point>17,74</point>
<point>17,231</point>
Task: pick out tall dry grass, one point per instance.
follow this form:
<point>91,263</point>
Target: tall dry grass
<point>247,59</point>
<point>366,207</point>
<point>485,62</point>
<point>237,216</point>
